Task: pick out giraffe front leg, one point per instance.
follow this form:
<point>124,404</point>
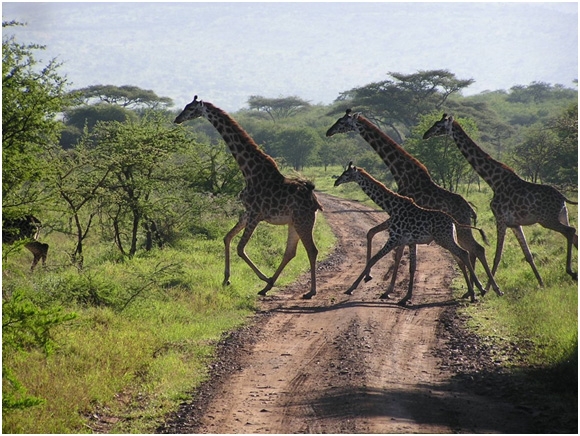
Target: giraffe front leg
<point>412,269</point>
<point>397,261</point>
<point>370,235</point>
<point>391,243</point>
<point>227,242</point>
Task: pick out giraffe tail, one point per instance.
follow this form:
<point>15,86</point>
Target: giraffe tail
<point>570,201</point>
<point>483,235</point>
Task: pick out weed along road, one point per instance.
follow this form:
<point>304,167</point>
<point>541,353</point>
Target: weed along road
<point>346,364</point>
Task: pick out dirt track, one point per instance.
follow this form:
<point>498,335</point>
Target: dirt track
<point>346,364</point>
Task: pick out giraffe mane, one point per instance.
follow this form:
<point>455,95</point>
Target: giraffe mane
<point>388,139</point>
<point>244,135</point>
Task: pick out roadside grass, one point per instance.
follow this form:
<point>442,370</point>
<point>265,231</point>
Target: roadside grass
<point>145,330</point>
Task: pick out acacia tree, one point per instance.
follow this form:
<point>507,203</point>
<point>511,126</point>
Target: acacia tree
<point>32,96</point>
<point>396,104</point>
<point>127,96</point>
<point>278,108</point>
<point>135,153</point>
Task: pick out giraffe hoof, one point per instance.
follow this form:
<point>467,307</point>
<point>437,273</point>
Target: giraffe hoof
<point>403,303</point>
<point>368,278</point>
<point>349,292</point>
<point>308,296</point>
<point>226,283</point>
<point>263,292</point>
<point>385,296</point>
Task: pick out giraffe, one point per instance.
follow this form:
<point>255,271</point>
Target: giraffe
<point>515,202</point>
<point>267,196</point>
<point>409,224</point>
<point>414,181</point>
<point>26,227</point>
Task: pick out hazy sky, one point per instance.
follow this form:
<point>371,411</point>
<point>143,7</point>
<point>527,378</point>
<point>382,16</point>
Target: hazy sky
<point>225,52</point>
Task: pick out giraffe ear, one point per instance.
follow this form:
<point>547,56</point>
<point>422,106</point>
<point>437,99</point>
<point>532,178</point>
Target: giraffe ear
<point>348,111</point>
<point>443,117</point>
<point>194,98</point>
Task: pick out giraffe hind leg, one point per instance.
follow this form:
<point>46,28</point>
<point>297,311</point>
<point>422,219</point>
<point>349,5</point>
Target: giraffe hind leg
<point>397,260</point>
<point>370,235</point>
<point>305,233</point>
<point>562,226</point>
<point>412,269</point>
<point>289,254</point>
<point>519,233</point>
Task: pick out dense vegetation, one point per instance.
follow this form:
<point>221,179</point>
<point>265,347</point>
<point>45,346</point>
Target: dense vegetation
<point>122,320</point>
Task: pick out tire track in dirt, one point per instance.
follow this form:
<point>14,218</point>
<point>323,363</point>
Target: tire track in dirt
<point>345,364</point>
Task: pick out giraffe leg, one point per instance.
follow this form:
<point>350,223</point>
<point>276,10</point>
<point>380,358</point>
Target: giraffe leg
<point>501,229</point>
<point>248,231</point>
<point>370,235</point>
<point>227,241</point>
<point>528,255</point>
<point>310,247</point>
<point>391,244</point>
<point>476,251</point>
<point>562,226</point>
<point>412,269</point>
<point>398,256</point>
<point>289,254</point>
<point>462,258</point>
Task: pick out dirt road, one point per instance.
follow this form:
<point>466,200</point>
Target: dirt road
<point>346,364</point>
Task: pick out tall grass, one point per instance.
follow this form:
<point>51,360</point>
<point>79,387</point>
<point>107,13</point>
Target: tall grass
<point>145,330</point>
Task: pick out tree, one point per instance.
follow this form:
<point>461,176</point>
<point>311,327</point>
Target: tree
<point>446,164</point>
<point>297,145</point>
<point>397,104</point>
<point>564,167</point>
<point>278,108</point>
<point>78,176</point>
<point>135,152</point>
<point>32,96</point>
<point>87,116</point>
<point>130,97</point>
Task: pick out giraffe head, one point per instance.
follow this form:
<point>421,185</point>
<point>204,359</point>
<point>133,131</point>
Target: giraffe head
<point>195,109</point>
<point>442,127</point>
<point>344,124</point>
<point>349,175</point>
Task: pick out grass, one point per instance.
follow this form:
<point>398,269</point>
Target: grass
<point>145,330</point>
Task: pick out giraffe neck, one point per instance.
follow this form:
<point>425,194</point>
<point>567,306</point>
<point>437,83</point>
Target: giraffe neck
<point>255,165</point>
<point>388,200</point>
<point>407,171</point>
<point>495,173</point>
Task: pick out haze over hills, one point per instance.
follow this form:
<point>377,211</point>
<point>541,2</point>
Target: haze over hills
<point>225,52</point>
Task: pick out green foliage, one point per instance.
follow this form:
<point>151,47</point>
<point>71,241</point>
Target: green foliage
<point>297,146</point>
<point>445,162</point>
<point>397,104</point>
<point>25,327</point>
<point>31,99</point>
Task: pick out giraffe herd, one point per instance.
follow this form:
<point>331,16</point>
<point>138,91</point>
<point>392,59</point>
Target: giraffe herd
<point>420,213</point>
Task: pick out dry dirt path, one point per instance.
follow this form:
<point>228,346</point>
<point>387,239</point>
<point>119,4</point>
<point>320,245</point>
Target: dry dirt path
<point>345,364</point>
